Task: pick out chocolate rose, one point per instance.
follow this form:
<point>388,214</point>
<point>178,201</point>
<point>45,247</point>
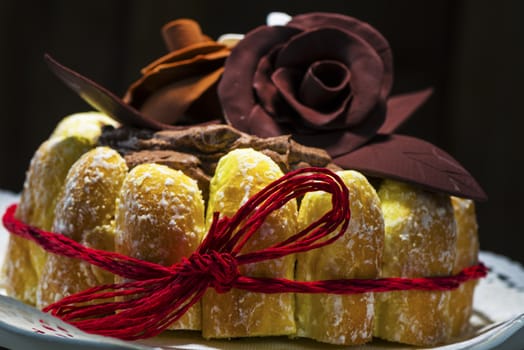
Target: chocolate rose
<point>180,87</point>
<point>325,79</point>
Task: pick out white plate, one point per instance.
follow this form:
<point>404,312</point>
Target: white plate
<point>498,320</point>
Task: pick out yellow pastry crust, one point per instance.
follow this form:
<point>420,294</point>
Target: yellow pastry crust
<point>44,182</point>
<point>419,241</point>
<point>85,213</point>
<point>239,175</point>
<point>467,249</point>
<point>341,319</point>
<point>160,218</point>
<point>87,125</point>
<point>72,137</point>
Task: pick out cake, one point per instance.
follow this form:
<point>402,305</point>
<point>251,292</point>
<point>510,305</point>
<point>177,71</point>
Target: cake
<point>211,124</point>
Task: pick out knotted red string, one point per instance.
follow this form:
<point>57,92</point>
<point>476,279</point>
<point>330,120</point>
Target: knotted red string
<point>159,295</point>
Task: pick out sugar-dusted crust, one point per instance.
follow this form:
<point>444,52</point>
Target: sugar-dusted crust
<point>44,183</point>
<point>333,318</point>
<point>239,175</point>
<point>72,137</point>
<point>419,241</point>
<point>160,218</point>
<point>88,125</point>
<point>84,212</point>
<point>467,249</point>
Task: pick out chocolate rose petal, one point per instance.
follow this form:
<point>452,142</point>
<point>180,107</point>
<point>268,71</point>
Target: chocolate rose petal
<point>267,94</point>
<point>182,33</point>
<point>265,91</point>
<point>264,125</point>
<point>341,141</point>
<point>332,44</point>
<point>185,40</point>
<point>185,81</point>
<point>175,88</point>
<point>361,29</point>
<point>288,82</point>
<point>197,51</point>
<point>170,104</point>
<point>166,74</point>
<point>235,87</point>
<point>400,108</point>
<point>413,160</point>
<point>323,84</point>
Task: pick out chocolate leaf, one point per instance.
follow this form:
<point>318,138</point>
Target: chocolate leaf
<point>102,99</point>
<point>415,161</point>
<point>401,107</point>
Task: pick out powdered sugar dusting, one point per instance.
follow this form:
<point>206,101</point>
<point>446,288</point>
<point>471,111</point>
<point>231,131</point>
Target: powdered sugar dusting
<point>420,241</point>
<point>239,175</point>
<point>160,218</point>
<point>332,318</point>
<point>85,213</point>
<point>420,232</point>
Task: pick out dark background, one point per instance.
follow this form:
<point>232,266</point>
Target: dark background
<point>472,52</point>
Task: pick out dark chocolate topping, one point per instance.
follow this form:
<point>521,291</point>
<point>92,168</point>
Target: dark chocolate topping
<point>197,150</point>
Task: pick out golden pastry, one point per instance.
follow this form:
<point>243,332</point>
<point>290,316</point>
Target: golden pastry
<point>239,175</point>
<point>87,125</point>
<point>44,182</point>
<point>467,249</point>
<point>84,212</point>
<point>160,218</point>
<point>341,319</point>
<point>419,242</point>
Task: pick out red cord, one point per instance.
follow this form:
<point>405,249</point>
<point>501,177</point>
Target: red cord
<point>159,295</point>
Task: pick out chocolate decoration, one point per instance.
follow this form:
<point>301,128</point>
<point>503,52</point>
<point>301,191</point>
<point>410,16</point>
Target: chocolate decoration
<point>323,84</point>
<point>197,150</point>
<point>316,104</point>
<point>319,104</point>
<point>100,98</point>
<point>400,108</point>
<point>174,88</point>
<point>361,29</point>
<point>416,161</point>
<point>269,81</point>
<point>106,102</point>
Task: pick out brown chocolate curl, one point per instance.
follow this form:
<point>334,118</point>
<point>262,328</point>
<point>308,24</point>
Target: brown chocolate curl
<point>180,87</point>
